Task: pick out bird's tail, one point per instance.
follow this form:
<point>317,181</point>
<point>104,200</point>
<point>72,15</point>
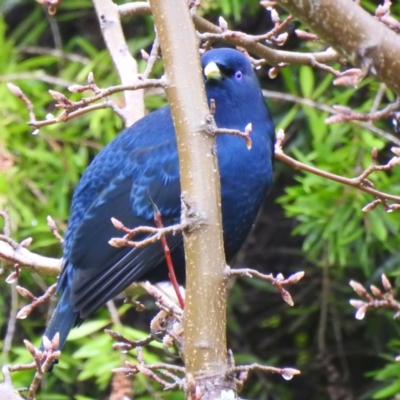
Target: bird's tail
<point>63,319</point>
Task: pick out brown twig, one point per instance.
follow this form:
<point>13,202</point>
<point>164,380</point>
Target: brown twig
<point>42,361</point>
<point>235,132</point>
<point>378,98</point>
<point>167,370</point>
<point>287,373</point>
<point>164,301</point>
<point>212,129</point>
<point>156,234</point>
<point>271,56</point>
<point>74,109</point>
<point>190,221</point>
<point>279,281</point>
<point>16,91</point>
<point>376,299</point>
<point>277,28</point>
<point>226,33</point>
<point>270,94</point>
<point>347,114</point>
<point>358,182</point>
<point>123,344</point>
<point>53,227</point>
<point>36,301</point>
<point>68,105</point>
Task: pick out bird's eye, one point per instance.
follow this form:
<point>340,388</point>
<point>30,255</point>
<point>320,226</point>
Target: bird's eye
<point>238,75</point>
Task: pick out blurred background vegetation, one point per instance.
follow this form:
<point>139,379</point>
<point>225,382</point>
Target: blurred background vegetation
<point>307,223</point>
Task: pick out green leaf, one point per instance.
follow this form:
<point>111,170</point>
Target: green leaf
<point>306,80</point>
<point>87,328</point>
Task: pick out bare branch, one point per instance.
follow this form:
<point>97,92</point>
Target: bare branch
<point>78,108</point>
<point>372,46</point>
<point>124,63</point>
<point>270,94</point>
<point>13,251</point>
<point>271,56</point>
<point>347,114</point>
<point>36,301</point>
<point>279,281</point>
<point>358,182</point>
<point>42,361</point>
<point>377,299</point>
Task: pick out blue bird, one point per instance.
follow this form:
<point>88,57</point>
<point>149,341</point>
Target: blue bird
<point>140,168</point>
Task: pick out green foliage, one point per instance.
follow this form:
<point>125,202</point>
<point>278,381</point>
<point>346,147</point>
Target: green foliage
<point>329,218</point>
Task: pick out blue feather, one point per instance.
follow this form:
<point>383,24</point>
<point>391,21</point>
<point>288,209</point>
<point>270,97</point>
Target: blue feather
<point>140,166</point>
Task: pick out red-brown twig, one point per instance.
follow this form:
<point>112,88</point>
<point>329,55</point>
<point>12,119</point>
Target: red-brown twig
<point>168,259</point>
<point>287,373</point>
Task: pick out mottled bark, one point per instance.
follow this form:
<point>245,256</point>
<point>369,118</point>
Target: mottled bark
<point>205,353</point>
<point>354,33</point>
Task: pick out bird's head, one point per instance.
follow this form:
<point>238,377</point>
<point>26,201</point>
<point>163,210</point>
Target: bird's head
<point>230,79</point>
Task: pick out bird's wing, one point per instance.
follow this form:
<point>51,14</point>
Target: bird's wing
<point>97,271</point>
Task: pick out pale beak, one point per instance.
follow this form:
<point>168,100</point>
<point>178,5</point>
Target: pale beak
<point>211,71</point>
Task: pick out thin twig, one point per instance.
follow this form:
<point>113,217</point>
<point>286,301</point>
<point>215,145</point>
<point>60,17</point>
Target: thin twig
<point>157,234</point>
<point>36,301</point>
<point>272,56</point>
<point>358,182</point>
<point>377,298</point>
<point>53,227</point>
<point>279,281</point>
<point>270,94</point>
<point>347,114</point>
<point>152,58</point>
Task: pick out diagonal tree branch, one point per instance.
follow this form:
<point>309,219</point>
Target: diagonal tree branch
<point>355,34</point>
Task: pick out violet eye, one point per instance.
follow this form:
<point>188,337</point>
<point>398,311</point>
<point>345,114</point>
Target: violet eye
<point>238,75</point>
